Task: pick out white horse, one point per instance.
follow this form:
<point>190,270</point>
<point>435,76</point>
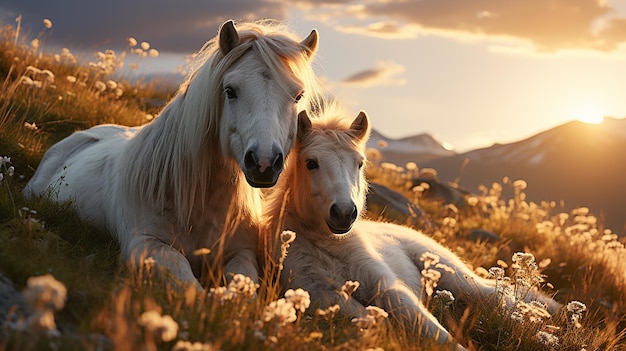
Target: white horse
<point>182,182</point>
<point>320,197</point>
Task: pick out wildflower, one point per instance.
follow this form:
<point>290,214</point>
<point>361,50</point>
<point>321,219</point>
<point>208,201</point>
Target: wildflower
<point>348,288</point>
<point>34,44</point>
<point>299,298</point>
<point>48,75</point>
<point>164,326</point>
<point>26,81</point>
<point>132,42</point>
<point>411,166</point>
<point>444,298</point>
<point>202,251</point>
<point>149,263</point>
<point>496,272</point>
<point>31,126</point>
<point>100,86</point>
<point>548,339</point>
<point>472,201</point>
<point>47,23</point>
<point>71,79</point>
<point>576,308</point>
<point>45,295</point>
<point>145,45</point>
<point>375,315</point>
<point>242,285</point>
<point>430,278</point>
<point>429,259</point>
<point>286,238</point>
<point>281,311</point>
<point>10,171</point>
<point>182,345</point>
<point>520,184</point>
<point>534,311</point>
<point>153,53</point>
<point>111,84</point>
<point>328,313</point>
<point>221,293</point>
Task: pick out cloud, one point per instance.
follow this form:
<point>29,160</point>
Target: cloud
<point>549,25</point>
<point>175,26</point>
<point>384,74</point>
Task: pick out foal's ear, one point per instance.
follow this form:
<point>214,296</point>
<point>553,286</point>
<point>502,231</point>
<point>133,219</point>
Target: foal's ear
<point>228,37</point>
<point>310,43</point>
<point>304,124</point>
<point>360,127</point>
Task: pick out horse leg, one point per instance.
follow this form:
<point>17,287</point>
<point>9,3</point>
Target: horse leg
<point>165,256</point>
<point>465,284</point>
<point>408,311</point>
<point>243,262</point>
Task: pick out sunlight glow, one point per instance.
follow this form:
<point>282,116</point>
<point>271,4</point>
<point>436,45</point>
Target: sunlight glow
<point>591,114</point>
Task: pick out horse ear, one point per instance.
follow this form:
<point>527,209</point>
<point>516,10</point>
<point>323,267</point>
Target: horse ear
<point>360,127</point>
<point>310,43</point>
<point>304,124</point>
<point>228,37</point>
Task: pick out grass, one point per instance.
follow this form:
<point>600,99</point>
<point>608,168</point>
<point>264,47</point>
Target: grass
<point>106,307</point>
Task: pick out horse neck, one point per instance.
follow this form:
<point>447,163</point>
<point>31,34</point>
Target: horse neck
<point>169,174</point>
<point>287,208</point>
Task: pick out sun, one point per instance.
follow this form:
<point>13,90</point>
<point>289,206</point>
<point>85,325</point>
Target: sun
<point>590,114</point>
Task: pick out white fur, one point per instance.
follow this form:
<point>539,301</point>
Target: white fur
<point>176,184</point>
<point>384,258</point>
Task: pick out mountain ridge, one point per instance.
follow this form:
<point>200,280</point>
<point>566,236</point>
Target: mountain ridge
<point>575,163</point>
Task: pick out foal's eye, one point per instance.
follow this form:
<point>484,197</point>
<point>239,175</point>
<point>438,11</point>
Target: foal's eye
<point>360,164</point>
<point>230,93</point>
<point>297,99</point>
<point>310,164</point>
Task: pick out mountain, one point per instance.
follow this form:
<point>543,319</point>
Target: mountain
<point>577,163</point>
<point>423,147</point>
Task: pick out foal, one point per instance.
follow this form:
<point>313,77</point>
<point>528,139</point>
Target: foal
<point>320,197</point>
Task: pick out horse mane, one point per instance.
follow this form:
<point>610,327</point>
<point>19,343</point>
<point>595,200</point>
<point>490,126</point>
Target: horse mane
<point>170,161</point>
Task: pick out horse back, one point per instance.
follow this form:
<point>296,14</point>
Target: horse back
<point>56,157</point>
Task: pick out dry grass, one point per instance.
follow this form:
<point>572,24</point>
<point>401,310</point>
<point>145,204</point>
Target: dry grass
<point>106,307</point>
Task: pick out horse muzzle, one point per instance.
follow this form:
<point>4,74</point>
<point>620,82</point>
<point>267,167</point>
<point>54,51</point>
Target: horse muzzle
<point>341,217</point>
<point>263,172</point>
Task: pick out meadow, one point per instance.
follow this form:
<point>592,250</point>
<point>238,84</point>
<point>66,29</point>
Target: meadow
<point>76,295</point>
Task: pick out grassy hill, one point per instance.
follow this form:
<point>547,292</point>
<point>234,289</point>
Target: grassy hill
<point>98,305</point>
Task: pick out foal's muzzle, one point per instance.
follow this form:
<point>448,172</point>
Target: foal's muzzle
<point>341,217</point>
<point>263,172</point>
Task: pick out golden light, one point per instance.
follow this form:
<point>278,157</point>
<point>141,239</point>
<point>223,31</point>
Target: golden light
<point>591,114</point>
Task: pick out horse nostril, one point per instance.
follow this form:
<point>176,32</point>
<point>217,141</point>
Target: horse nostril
<point>353,214</point>
<point>334,212</point>
<point>250,160</point>
<point>277,165</point>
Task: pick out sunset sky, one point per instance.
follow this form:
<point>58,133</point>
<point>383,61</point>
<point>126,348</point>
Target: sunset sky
<point>469,72</point>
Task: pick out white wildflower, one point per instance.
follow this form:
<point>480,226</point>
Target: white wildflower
<point>45,295</point>
<point>281,311</point>
<point>300,299</point>
<point>548,339</point>
<point>163,326</point>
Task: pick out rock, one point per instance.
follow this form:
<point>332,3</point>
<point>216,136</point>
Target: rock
<point>392,206</point>
<point>12,303</point>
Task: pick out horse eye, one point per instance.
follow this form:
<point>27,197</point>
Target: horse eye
<point>360,164</point>
<point>310,164</point>
<point>230,93</point>
<point>297,99</point>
